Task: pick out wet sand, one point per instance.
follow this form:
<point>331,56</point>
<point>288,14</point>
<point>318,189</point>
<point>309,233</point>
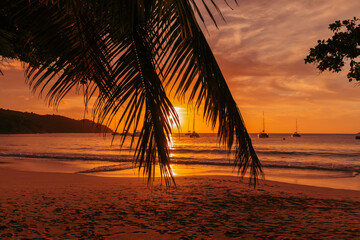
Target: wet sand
<point>70,206</point>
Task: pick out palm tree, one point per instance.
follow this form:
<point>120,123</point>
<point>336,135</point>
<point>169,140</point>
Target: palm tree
<point>126,53</point>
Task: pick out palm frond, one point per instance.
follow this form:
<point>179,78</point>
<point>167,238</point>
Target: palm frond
<point>74,50</point>
<point>124,52</point>
<point>192,68</point>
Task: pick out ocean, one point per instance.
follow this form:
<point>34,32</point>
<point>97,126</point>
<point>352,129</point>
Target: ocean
<point>326,160</point>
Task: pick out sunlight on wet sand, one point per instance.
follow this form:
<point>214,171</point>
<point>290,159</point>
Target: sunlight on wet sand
<point>329,179</point>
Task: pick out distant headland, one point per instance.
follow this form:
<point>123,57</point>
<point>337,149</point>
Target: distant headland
<point>12,122</point>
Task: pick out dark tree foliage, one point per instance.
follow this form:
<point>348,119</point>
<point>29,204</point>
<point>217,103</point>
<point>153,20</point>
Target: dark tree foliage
<point>22,122</point>
<point>332,54</point>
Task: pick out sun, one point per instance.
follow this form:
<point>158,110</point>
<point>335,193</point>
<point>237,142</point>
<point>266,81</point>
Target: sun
<point>179,112</point>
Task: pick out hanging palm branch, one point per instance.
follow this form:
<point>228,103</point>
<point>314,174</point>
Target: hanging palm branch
<point>189,62</point>
<point>125,52</point>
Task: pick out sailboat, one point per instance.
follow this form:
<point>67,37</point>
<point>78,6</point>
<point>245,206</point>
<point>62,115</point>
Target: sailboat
<point>188,132</point>
<point>357,136</point>
<point>194,134</point>
<point>263,134</point>
<point>296,134</point>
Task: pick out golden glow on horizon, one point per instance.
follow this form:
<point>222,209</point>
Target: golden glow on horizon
<point>179,112</point>
<point>184,120</point>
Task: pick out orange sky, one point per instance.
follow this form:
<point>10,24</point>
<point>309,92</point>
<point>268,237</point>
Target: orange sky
<point>260,50</point>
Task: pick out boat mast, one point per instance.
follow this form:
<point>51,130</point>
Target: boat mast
<point>188,123</point>
<point>194,123</point>
<point>296,126</point>
<point>263,122</point>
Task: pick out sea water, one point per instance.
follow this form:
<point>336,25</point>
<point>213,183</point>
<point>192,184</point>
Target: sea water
<point>328,160</point>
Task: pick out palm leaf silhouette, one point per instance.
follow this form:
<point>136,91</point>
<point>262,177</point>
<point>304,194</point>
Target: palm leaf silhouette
<point>125,53</point>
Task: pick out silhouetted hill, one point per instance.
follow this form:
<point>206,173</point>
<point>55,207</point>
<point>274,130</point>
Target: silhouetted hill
<point>23,122</point>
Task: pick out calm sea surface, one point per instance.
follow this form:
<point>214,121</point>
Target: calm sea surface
<point>330,160</point>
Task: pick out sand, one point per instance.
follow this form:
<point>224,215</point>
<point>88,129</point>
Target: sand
<point>72,206</point>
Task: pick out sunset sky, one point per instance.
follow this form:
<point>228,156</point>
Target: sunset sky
<point>261,50</point>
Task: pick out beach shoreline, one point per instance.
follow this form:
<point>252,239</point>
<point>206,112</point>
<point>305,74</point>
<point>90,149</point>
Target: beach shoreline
<point>68,205</point>
<point>309,177</point>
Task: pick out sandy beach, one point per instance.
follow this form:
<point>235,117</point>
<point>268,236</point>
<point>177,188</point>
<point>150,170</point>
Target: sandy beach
<point>71,206</point>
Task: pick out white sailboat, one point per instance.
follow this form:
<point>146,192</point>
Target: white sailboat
<point>194,134</point>
<point>263,134</point>
<point>296,134</point>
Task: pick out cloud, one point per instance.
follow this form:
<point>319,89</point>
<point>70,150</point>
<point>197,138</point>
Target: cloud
<point>9,64</point>
<point>277,32</point>
<point>261,50</point>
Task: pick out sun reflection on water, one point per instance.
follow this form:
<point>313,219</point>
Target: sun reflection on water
<point>172,170</point>
<point>170,142</point>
